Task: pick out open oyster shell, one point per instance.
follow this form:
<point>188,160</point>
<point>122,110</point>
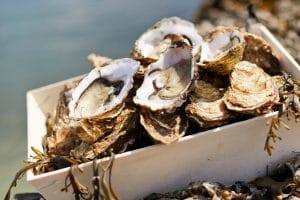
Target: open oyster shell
<point>152,43</point>
<point>162,126</point>
<point>251,91</point>
<point>102,92</point>
<point>167,81</point>
<point>222,49</point>
<point>207,106</point>
<point>259,52</point>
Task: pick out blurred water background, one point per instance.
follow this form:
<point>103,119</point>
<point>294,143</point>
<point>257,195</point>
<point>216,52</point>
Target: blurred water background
<point>42,42</point>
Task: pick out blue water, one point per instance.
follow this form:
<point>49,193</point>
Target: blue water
<point>42,42</point>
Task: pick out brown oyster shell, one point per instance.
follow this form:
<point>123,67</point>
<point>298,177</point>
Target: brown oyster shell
<point>259,52</point>
<point>119,137</point>
<point>222,59</point>
<point>207,106</point>
<point>60,139</point>
<point>164,127</point>
<point>251,91</point>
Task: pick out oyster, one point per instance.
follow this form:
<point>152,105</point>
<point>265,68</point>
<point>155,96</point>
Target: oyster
<point>92,110</point>
<point>102,93</point>
<point>154,41</point>
<point>164,90</point>
<point>222,50</point>
<point>251,91</point>
<point>207,106</point>
<point>167,81</point>
<point>259,52</point>
<point>162,126</point>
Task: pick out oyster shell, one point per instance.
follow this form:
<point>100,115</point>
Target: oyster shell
<point>222,50</point>
<point>162,126</point>
<point>259,52</point>
<point>153,42</point>
<point>121,131</point>
<point>207,106</point>
<point>167,81</point>
<point>98,60</point>
<point>252,91</point>
<point>103,91</point>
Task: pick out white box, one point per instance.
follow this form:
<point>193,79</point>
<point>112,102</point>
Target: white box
<point>225,154</point>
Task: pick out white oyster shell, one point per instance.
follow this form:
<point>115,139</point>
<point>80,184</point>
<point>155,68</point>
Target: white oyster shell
<point>222,50</point>
<point>103,89</point>
<point>151,43</point>
<point>166,81</point>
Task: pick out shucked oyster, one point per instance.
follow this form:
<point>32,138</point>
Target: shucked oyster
<point>166,81</point>
<point>222,50</point>
<point>102,93</point>
<point>207,106</point>
<point>251,91</point>
<point>95,112</point>
<point>153,42</point>
<point>164,89</point>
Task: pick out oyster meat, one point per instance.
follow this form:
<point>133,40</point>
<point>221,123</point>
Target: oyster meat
<point>152,43</point>
<point>222,49</point>
<point>164,89</point>
<point>251,91</point>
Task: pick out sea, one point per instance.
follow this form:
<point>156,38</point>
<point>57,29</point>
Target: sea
<point>42,42</point>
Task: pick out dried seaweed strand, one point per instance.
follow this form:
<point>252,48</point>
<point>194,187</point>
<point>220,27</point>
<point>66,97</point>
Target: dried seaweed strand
<point>21,172</point>
<point>80,191</point>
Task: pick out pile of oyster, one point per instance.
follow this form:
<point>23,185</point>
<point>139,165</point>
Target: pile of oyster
<point>283,183</point>
<point>173,80</point>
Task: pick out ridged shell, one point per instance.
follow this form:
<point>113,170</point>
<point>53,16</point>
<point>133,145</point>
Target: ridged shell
<point>259,52</point>
<point>164,127</point>
<point>150,44</point>
<point>222,50</point>
<point>167,81</point>
<point>251,91</point>
<point>102,92</point>
<point>207,106</point>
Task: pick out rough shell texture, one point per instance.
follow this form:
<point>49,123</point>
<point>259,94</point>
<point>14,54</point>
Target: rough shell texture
<point>207,106</point>
<point>103,90</point>
<point>164,127</point>
<point>151,43</point>
<point>259,52</point>
<point>167,81</point>
<point>119,138</point>
<point>252,91</point>
<point>222,50</point>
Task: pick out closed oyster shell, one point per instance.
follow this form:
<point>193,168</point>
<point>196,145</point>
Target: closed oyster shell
<point>118,139</point>
<point>222,50</point>
<point>207,106</point>
<point>152,43</point>
<point>259,52</point>
<point>103,91</point>
<point>251,91</point>
<point>167,81</point>
<point>162,126</point>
